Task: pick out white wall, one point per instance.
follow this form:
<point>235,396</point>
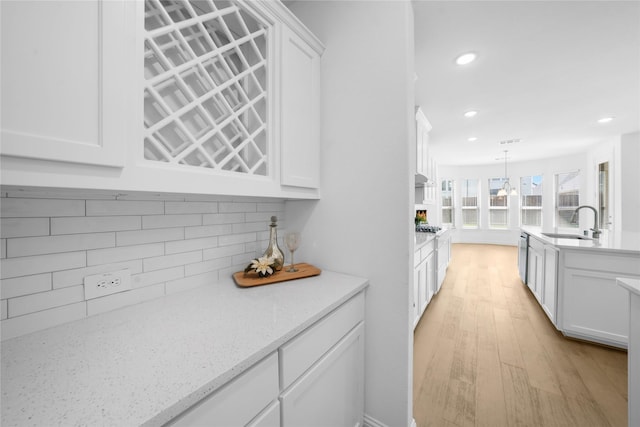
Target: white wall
<point>363,225</point>
<point>548,168</point>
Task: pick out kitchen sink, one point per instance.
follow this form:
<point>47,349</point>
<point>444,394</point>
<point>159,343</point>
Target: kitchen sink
<point>567,236</point>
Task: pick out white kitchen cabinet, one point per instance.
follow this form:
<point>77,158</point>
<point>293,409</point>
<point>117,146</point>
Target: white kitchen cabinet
<point>270,417</point>
<point>62,77</point>
<point>423,127</point>
<point>535,268</point>
<point>593,307</point>
<point>185,97</point>
<point>331,393</point>
<point>550,282</point>
<point>443,255</point>
<point>314,379</point>
<point>302,352</point>
<point>425,164</point>
<point>416,292</point>
<point>424,279</point>
<point>300,112</point>
<point>633,362</point>
<point>239,401</point>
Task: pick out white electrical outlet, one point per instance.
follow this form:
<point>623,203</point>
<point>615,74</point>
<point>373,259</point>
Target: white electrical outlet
<point>99,285</point>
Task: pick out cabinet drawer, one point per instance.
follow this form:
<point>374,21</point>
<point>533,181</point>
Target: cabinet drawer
<point>238,401</point>
<point>416,258</point>
<point>270,417</point>
<point>331,393</point>
<point>600,261</point>
<point>303,351</point>
<point>427,250</point>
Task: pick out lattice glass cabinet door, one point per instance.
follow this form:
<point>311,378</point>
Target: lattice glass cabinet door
<point>205,94</point>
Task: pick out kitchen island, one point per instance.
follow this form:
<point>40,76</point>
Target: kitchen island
<point>574,280</point>
<point>148,363</point>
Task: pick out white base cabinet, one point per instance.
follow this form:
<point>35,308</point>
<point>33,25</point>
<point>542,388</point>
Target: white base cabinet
<point>424,283</point>
<point>542,275</point>
<point>239,401</point>
<point>315,379</point>
<point>270,417</point>
<point>443,254</point>
<point>331,392</point>
<point>535,268</point>
<point>550,282</point>
<point>593,306</point>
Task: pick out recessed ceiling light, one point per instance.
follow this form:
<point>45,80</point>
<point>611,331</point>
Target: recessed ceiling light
<point>473,138</point>
<point>466,58</point>
<point>470,113</point>
<point>605,120</point>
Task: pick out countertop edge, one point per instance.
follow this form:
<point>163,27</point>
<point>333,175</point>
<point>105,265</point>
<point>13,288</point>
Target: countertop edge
<point>571,244</point>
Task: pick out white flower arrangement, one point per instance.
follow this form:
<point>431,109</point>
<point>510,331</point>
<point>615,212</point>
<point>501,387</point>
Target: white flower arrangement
<point>263,266</point>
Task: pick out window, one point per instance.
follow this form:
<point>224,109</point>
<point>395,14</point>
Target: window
<point>498,205</point>
<point>567,199</point>
<point>470,203</point>
<point>447,201</point>
<point>531,200</point>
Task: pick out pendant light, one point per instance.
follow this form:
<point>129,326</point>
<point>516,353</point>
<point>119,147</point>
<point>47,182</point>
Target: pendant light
<point>506,187</point>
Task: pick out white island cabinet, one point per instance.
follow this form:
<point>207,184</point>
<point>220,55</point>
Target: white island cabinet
<point>593,307</point>
<point>633,287</point>
<point>574,280</point>
<point>209,97</point>
<point>285,354</point>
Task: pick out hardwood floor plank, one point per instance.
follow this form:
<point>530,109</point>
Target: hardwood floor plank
<point>535,359</point>
<point>485,354</point>
<point>521,401</point>
<point>612,404</point>
<point>554,410</point>
<point>508,347</point>
<point>460,403</point>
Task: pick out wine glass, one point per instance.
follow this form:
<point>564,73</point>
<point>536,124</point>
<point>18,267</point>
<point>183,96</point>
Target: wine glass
<point>292,241</point>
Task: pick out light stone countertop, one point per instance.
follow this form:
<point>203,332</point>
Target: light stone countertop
<point>145,364</point>
<point>628,243</point>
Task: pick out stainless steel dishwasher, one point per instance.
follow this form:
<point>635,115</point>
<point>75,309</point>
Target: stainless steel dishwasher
<point>523,249</point>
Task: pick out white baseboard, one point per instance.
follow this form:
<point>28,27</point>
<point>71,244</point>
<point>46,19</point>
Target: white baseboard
<point>372,422</point>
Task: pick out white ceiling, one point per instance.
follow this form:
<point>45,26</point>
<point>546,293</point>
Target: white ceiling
<point>546,72</point>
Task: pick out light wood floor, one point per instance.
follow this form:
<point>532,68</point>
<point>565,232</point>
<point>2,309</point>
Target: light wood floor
<point>485,354</point>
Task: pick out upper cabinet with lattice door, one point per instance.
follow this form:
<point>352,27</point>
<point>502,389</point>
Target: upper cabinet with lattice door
<point>212,97</point>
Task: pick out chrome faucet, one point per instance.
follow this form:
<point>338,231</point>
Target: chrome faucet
<point>596,226</point>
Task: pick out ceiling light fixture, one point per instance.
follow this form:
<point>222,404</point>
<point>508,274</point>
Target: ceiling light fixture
<point>470,113</point>
<point>506,187</point>
<point>473,138</point>
<point>466,58</point>
<point>605,120</point>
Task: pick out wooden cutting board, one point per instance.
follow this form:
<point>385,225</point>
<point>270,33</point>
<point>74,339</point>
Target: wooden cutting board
<point>252,279</point>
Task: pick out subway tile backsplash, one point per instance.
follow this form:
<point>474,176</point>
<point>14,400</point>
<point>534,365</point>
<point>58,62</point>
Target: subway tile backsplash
<point>51,240</point>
